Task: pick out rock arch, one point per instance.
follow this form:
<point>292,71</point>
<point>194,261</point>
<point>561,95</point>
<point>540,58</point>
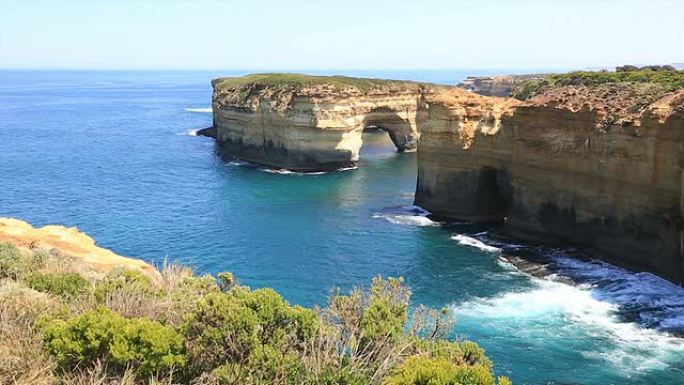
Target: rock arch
<point>402,126</point>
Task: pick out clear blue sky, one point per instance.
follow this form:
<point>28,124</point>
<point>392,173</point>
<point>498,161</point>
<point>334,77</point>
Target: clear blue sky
<point>343,34</point>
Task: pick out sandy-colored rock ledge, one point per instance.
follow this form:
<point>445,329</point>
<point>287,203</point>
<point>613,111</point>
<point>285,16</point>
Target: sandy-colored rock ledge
<point>70,242</point>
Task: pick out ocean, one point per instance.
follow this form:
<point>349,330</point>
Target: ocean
<point>114,153</point>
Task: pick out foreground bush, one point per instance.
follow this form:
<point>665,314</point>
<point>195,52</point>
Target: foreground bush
<point>59,327</point>
<point>104,335</point>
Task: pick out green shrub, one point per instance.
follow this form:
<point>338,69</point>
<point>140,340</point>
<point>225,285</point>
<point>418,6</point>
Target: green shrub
<point>420,370</point>
<point>228,327</point>
<point>202,285</point>
<point>105,335</point>
<point>380,315</point>
<point>63,284</point>
<point>665,80</point>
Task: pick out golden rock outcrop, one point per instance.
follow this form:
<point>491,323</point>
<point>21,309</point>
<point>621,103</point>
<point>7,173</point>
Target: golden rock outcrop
<point>71,243</point>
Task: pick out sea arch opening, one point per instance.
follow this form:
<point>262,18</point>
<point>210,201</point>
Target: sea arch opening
<point>400,125</point>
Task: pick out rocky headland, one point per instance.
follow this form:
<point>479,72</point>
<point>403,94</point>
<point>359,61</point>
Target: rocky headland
<point>70,245</point>
<point>312,123</point>
<point>593,160</point>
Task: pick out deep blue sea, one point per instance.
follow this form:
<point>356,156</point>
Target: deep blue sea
<point>113,153</point>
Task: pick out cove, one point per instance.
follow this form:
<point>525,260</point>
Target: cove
<point>110,152</point>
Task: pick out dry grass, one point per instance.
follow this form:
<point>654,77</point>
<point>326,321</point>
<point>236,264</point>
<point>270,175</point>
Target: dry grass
<point>22,358</point>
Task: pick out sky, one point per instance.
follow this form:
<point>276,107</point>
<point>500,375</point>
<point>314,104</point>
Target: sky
<point>343,34</point>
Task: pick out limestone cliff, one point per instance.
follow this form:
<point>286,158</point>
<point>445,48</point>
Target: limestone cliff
<point>69,242</point>
<point>311,123</point>
<point>586,166</point>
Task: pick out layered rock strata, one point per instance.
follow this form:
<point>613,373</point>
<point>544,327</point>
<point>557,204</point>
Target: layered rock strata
<point>577,165</point>
<point>307,123</point>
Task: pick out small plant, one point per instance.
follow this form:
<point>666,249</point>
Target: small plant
<point>13,263</point>
<point>125,280</point>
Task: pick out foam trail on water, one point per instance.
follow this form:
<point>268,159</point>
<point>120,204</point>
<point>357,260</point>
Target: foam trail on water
<point>553,313</point>
<point>407,216</point>
<point>283,171</point>
<point>409,220</point>
<point>204,109</point>
<point>476,243</point>
<point>188,133</point>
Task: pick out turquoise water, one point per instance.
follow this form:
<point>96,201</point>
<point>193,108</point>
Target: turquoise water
<point>113,153</point>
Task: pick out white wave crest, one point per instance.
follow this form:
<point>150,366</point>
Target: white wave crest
<point>476,243</point>
<point>408,216</point>
<point>553,312</point>
<point>204,109</point>
<point>408,220</point>
<point>659,303</point>
<point>347,168</point>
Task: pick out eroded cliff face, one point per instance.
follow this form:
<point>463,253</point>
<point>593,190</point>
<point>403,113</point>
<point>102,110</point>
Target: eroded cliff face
<point>317,126</point>
<point>590,167</point>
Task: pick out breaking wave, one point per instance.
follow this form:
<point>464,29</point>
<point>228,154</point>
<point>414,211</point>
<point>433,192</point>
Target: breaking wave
<point>474,242</point>
<point>542,314</point>
<point>642,297</point>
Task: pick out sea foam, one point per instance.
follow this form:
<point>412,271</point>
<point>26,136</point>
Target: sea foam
<point>407,215</point>
<point>542,314</point>
<point>474,242</point>
<point>204,109</point>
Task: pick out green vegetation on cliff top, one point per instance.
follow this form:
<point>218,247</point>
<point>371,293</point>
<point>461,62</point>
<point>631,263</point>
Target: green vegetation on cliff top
<point>61,324</point>
<point>666,80</point>
<point>289,80</point>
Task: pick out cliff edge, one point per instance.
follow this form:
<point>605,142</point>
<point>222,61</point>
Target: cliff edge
<point>71,243</point>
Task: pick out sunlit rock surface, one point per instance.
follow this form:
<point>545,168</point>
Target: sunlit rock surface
<point>71,243</point>
<point>577,165</point>
<point>312,123</point>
